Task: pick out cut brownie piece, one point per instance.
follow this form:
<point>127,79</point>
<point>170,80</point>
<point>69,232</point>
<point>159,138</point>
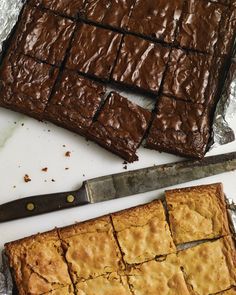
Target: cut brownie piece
<point>143,233</point>
<point>120,126</point>
<point>141,64</point>
<point>179,127</point>
<point>38,265</point>
<point>70,8</point>
<point>91,249</point>
<point>113,284</point>
<point>43,35</point>
<point>111,13</point>
<point>156,19</point>
<point>94,51</point>
<point>200,25</point>
<point>197,213</point>
<point>158,277</point>
<point>214,270</point>
<point>25,84</point>
<point>187,76</point>
<point>75,102</point>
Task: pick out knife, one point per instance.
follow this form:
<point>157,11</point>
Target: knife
<point>120,185</point>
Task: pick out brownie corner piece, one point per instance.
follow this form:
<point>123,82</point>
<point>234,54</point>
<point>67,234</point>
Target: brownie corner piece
<point>197,213</point>
<point>94,51</point>
<point>120,126</point>
<point>180,127</point>
<point>141,64</point>
<point>43,35</point>
<point>26,84</point>
<point>75,101</point>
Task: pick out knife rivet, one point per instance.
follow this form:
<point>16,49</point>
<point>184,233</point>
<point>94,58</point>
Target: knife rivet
<point>30,206</point>
<point>70,199</point>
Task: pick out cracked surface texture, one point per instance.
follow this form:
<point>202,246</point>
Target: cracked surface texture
<point>120,126</point>
<point>197,213</point>
<point>43,35</point>
<point>75,102</point>
<point>112,284</point>
<point>25,84</point>
<point>143,233</point>
<point>94,51</point>
<point>156,19</point>
<point>91,249</point>
<point>214,270</point>
<point>38,264</point>
<point>158,277</point>
<point>231,291</point>
<point>141,64</point>
<point>69,290</point>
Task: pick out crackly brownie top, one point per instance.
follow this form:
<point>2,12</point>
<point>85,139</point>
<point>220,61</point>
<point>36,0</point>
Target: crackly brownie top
<point>94,51</point>
<point>188,76</point>
<point>43,35</point>
<point>143,232</point>
<point>156,19</point>
<point>179,127</point>
<point>121,125</point>
<point>141,64</point>
<point>214,270</point>
<point>75,101</point>
<point>200,25</point>
<point>71,8</point>
<point>109,12</point>
<point>26,83</point>
<point>197,213</point>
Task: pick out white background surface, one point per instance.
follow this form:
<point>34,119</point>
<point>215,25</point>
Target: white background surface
<point>29,148</point>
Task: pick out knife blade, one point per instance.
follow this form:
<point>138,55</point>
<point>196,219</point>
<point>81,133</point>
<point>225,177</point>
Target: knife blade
<point>120,185</point>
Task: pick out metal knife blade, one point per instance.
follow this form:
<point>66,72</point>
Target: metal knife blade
<point>120,185</point>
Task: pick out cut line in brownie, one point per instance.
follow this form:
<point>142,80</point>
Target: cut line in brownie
<point>141,64</point>
<point>179,127</point>
<point>75,102</point>
<point>94,51</point>
<point>43,35</point>
<point>26,84</point>
<point>120,126</point>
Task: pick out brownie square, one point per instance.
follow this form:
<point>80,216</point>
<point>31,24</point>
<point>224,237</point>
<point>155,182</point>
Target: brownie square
<point>120,126</point>
<point>43,35</point>
<point>197,213</point>
<point>141,64</point>
<point>188,75</point>
<point>94,51</point>
<point>200,25</point>
<point>111,13</point>
<point>158,277</point>
<point>75,102</point>
<point>214,270</point>
<point>179,127</point>
<point>38,264</point>
<point>26,84</point>
<point>156,19</point>
<point>91,249</point>
<point>111,284</point>
<point>143,233</point>
<point>69,8</point>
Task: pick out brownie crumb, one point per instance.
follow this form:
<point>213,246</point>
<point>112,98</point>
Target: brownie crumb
<point>23,124</point>
<point>53,180</point>
<point>14,186</point>
<point>67,154</point>
<point>125,167</point>
<point>27,178</point>
<point>45,169</point>
<point>67,168</point>
<point>64,145</point>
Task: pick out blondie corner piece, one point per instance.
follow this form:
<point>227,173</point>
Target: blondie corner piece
<point>214,270</point>
<point>112,284</point>
<point>197,213</point>
<point>143,233</point>
<point>158,277</point>
<point>91,249</point>
<point>120,126</point>
<point>75,101</point>
<point>38,265</point>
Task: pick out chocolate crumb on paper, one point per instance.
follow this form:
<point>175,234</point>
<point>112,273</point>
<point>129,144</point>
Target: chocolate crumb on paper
<point>68,154</point>
<point>27,178</point>
<point>45,169</point>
